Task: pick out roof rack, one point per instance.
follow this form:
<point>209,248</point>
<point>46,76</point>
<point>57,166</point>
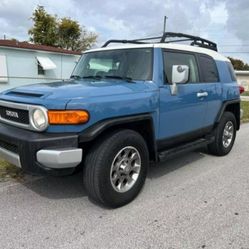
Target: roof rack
<point>167,38</point>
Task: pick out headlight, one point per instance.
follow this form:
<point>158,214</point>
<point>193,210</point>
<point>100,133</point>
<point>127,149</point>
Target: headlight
<point>39,119</point>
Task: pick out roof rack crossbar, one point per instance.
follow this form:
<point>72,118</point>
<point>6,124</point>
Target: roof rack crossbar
<point>196,41</point>
<point>122,41</point>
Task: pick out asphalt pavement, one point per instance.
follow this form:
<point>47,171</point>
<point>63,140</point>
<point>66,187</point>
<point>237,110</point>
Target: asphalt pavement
<point>192,201</point>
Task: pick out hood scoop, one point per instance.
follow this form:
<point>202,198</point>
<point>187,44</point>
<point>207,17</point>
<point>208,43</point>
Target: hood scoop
<point>25,94</point>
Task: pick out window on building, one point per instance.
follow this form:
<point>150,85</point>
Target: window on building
<point>209,69</point>
<point>3,69</point>
<point>43,64</point>
<point>177,58</point>
<point>40,69</point>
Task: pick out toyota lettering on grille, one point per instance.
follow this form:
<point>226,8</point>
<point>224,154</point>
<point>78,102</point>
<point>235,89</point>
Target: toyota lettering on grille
<point>11,114</point>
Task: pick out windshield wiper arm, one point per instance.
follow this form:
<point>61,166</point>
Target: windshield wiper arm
<point>75,77</point>
<point>92,77</point>
<point>129,79</point>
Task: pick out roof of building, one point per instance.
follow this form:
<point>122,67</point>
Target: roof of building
<point>26,45</point>
<point>215,55</point>
<point>240,72</point>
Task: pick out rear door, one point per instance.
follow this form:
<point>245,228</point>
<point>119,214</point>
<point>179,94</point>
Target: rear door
<point>184,112</point>
<point>212,87</point>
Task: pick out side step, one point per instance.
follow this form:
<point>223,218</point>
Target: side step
<point>190,146</point>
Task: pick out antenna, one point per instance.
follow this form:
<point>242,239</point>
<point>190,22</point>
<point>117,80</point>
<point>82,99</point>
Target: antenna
<point>164,24</point>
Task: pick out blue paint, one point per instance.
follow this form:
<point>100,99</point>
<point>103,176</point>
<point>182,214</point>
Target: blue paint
<point>172,115</point>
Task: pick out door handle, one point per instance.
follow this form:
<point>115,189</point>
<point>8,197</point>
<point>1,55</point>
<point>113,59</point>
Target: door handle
<point>202,94</point>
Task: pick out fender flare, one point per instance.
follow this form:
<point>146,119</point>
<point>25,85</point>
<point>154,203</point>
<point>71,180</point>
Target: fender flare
<point>223,108</point>
<point>96,129</point>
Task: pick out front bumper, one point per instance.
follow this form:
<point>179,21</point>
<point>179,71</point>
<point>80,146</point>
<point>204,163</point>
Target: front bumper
<point>38,153</point>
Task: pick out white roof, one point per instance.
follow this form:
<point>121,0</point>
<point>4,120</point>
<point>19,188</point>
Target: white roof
<point>46,63</point>
<point>215,55</point>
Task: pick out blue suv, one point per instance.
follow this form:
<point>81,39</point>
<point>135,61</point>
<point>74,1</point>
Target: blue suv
<point>124,106</point>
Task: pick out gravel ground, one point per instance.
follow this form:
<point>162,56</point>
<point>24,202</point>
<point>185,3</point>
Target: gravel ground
<point>193,201</point>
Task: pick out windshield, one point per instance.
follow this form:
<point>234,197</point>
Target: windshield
<point>132,64</point>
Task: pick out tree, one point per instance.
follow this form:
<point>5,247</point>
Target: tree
<point>44,30</point>
<point>64,33</point>
<point>239,64</point>
<point>72,36</point>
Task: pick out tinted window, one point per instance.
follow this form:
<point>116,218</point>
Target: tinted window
<point>209,69</point>
<point>231,71</point>
<point>177,58</point>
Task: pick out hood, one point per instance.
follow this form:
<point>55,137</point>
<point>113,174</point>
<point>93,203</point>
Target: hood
<point>73,89</point>
<point>77,89</point>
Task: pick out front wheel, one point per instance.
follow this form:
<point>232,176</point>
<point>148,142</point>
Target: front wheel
<point>115,168</point>
<point>225,134</point>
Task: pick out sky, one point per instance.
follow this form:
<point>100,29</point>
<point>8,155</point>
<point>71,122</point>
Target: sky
<point>222,21</point>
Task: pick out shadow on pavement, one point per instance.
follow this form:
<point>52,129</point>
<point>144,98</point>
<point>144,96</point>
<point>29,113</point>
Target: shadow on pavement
<point>175,163</point>
<point>70,187</point>
<point>58,187</point>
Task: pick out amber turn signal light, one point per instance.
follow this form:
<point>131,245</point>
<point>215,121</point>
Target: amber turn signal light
<point>68,117</point>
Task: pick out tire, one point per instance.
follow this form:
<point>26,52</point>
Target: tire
<point>219,147</point>
<point>110,167</point>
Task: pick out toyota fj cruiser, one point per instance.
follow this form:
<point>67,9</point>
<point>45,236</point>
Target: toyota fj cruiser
<point>124,106</point>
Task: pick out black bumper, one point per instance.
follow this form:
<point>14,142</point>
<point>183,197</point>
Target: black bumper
<point>26,143</point>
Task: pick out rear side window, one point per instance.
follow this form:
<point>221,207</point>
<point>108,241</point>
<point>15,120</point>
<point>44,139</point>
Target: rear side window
<point>177,58</point>
<point>208,69</point>
<point>231,71</point>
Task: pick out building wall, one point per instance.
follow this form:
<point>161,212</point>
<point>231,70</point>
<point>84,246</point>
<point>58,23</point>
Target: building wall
<point>22,67</point>
<point>243,80</point>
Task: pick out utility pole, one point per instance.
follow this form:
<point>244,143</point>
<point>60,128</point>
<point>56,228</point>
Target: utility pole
<point>164,24</point>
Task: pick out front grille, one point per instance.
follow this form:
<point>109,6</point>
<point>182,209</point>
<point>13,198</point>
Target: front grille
<point>14,114</point>
<point>8,146</point>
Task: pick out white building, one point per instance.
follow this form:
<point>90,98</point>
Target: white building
<point>243,79</point>
<point>24,63</point>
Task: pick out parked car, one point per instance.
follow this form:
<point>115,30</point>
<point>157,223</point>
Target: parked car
<point>123,107</point>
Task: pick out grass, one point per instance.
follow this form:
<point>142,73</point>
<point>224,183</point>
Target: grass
<point>245,93</point>
<point>245,108</point>
<point>9,171</point>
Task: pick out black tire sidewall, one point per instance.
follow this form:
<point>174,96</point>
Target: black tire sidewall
<point>109,195</point>
<point>227,116</point>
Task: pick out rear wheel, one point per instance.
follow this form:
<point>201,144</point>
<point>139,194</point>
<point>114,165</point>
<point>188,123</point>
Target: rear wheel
<point>225,134</point>
<point>115,168</point>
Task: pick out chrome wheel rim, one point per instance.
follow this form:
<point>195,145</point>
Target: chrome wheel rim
<point>125,169</point>
<point>228,134</point>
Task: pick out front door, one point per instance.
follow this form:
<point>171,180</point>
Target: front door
<point>184,112</point>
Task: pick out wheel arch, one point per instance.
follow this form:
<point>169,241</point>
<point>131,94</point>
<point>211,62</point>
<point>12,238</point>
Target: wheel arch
<point>232,106</point>
<point>142,124</point>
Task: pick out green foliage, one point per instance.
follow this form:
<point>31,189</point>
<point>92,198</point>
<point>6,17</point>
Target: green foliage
<point>44,30</point>
<point>64,33</point>
<point>69,32</point>
<point>239,64</point>
<point>245,108</point>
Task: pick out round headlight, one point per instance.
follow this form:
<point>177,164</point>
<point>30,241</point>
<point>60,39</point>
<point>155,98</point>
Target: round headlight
<point>39,119</point>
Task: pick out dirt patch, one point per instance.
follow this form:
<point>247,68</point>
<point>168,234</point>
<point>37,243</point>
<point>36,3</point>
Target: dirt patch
<point>9,171</point>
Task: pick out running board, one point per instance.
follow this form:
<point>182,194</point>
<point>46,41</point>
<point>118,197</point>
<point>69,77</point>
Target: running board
<point>163,155</point>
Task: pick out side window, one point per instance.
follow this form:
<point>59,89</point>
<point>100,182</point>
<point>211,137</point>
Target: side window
<point>177,58</point>
<point>209,69</point>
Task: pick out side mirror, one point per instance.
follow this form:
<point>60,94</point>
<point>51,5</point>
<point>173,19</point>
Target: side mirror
<point>180,74</point>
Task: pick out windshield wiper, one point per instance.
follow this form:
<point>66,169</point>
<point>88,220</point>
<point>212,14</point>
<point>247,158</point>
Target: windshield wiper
<point>77,77</point>
<point>128,79</point>
<point>96,77</point>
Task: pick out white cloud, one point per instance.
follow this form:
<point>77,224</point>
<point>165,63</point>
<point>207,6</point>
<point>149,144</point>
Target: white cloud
<point>223,21</point>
